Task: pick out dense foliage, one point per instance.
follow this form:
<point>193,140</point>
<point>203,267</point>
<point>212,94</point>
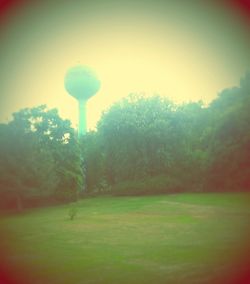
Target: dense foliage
<point>141,146</point>
<point>40,159</point>
<point>150,145</point>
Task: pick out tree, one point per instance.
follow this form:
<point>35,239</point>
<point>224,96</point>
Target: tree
<point>230,159</point>
<point>39,157</point>
<point>148,137</point>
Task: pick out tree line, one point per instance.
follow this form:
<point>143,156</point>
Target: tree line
<point>140,146</point>
<point>151,145</point>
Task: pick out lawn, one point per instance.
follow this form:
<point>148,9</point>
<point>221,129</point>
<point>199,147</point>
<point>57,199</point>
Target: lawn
<point>184,238</point>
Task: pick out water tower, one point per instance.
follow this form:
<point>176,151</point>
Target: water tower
<point>81,83</point>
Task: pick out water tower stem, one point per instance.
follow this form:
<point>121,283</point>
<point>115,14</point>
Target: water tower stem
<point>82,126</point>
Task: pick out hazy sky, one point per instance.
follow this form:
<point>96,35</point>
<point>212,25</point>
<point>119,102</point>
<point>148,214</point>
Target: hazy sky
<point>186,50</point>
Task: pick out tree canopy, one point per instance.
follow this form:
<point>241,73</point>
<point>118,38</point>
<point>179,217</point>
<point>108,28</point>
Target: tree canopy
<point>40,157</point>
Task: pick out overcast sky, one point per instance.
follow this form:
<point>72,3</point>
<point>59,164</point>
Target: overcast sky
<point>186,50</point>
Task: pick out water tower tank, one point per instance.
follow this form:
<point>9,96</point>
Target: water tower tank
<point>81,83</point>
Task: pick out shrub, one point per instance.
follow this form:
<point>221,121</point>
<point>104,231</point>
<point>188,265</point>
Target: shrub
<point>72,212</point>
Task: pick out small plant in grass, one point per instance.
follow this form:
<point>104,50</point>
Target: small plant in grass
<point>72,212</point>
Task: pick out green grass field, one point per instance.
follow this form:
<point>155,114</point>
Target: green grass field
<point>185,238</point>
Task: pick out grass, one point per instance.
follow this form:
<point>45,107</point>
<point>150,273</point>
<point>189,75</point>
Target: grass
<point>184,238</point>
